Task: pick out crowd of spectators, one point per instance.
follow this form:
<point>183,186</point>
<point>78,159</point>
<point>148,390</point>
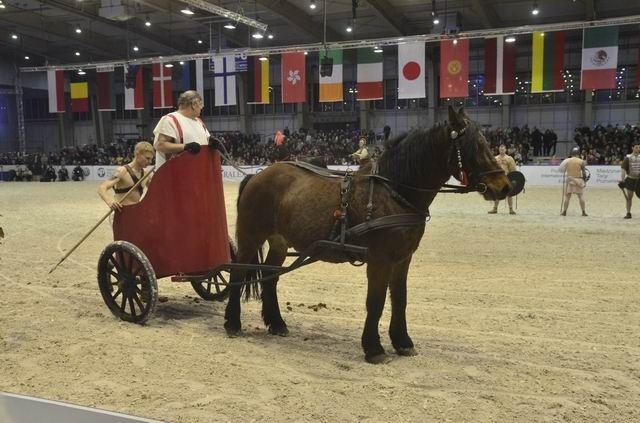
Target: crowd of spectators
<point>606,145</point>
<point>602,145</point>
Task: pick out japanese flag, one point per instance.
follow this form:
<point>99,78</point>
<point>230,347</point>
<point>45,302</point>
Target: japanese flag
<point>411,70</point>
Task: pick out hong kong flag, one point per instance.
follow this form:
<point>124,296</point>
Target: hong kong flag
<point>411,74</point>
<point>162,94</point>
<point>293,78</point>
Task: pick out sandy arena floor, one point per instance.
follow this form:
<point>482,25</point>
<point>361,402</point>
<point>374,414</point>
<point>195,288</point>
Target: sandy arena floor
<point>533,317</point>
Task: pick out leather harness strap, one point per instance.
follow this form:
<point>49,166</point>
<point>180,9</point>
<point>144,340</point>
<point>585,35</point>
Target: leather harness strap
<point>179,127</point>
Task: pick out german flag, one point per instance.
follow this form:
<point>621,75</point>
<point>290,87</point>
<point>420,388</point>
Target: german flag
<point>547,62</point>
<point>258,80</point>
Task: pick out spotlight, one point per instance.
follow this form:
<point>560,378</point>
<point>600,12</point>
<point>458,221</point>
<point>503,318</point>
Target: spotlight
<point>230,25</point>
<point>510,39</point>
<point>187,11</point>
<point>199,41</point>
<point>81,72</point>
<point>270,36</point>
<point>455,41</point>
<point>182,63</point>
<point>135,48</point>
<point>78,30</point>
<point>377,49</point>
<point>26,57</point>
<point>349,29</point>
<point>14,36</point>
<point>436,21</point>
<point>168,65</point>
<point>535,10</point>
<point>258,35</point>
<point>77,53</point>
<point>2,6</point>
<point>312,5</point>
<point>147,22</point>
<point>262,58</point>
<point>306,53</point>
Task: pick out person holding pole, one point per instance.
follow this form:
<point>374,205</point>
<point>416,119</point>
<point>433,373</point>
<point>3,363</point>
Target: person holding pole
<point>126,177</point>
<point>574,175</point>
<point>630,175</point>
<point>508,164</point>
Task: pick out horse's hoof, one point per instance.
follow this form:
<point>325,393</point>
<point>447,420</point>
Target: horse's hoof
<point>407,352</point>
<point>279,330</point>
<point>233,331</point>
<point>377,359</point>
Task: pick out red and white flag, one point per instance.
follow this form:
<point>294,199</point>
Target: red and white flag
<point>411,71</point>
<point>133,88</point>
<point>499,66</point>
<point>162,93</point>
<point>55,85</point>
<point>294,78</point>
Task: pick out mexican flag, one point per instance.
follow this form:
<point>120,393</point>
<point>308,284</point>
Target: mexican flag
<point>331,86</point>
<point>547,62</point>
<point>599,58</point>
<point>369,75</point>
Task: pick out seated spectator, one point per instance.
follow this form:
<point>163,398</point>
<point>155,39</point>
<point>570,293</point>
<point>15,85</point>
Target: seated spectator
<point>49,174</point>
<point>23,173</point>
<point>78,174</point>
<point>63,174</point>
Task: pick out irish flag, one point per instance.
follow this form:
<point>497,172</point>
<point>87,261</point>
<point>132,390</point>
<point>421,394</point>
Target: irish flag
<point>369,75</point>
<point>547,62</point>
<point>331,86</point>
<point>599,58</point>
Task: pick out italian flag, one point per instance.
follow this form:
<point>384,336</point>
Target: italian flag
<point>547,62</point>
<point>331,86</point>
<point>369,75</point>
<point>599,58</point>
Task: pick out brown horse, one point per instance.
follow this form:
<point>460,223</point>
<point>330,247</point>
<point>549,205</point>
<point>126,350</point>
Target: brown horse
<point>292,207</point>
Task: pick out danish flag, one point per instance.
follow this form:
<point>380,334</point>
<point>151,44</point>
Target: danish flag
<point>162,94</point>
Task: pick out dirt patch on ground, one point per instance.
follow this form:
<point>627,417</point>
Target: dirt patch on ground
<point>532,317</point>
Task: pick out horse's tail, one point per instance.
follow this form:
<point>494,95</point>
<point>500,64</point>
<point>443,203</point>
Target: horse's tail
<point>243,184</point>
<point>251,290</point>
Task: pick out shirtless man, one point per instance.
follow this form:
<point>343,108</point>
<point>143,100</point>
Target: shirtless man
<point>507,164</point>
<point>125,177</point>
<point>574,181</point>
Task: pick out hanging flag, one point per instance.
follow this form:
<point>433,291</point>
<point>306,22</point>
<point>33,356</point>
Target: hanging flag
<point>499,66</point>
<point>224,75</point>
<point>331,86</point>
<point>258,80</point>
<point>106,94</point>
<point>411,70</point>
<point>55,85</point>
<point>454,68</point>
<point>199,77</point>
<point>133,88</point>
<point>547,62</point>
<point>369,75</point>
<point>599,58</point>
<point>162,93</point>
<point>293,78</point>
<point>79,97</point>
<point>191,76</point>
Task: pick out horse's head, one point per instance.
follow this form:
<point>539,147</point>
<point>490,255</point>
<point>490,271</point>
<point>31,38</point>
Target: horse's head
<point>471,160</point>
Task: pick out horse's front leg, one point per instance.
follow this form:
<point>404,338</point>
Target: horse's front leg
<point>378,275</point>
<point>398,326</point>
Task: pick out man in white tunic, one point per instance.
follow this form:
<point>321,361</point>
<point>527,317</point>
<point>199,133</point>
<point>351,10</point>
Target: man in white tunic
<point>575,170</point>
<point>182,130</point>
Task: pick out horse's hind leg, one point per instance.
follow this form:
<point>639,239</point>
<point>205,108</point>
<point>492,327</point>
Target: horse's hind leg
<point>398,326</point>
<point>247,249</point>
<point>270,308</point>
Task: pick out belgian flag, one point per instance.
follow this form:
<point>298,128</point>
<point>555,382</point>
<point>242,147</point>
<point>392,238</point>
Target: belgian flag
<point>258,80</point>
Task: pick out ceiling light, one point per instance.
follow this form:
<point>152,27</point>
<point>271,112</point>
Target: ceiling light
<point>168,65</point>
<point>187,11</point>
<point>2,6</point>
<point>14,36</point>
<point>81,72</point>
<point>312,5</point>
<point>230,25</point>
<point>534,9</point>
<point>270,36</point>
<point>377,49</point>
<point>135,48</point>
<point>78,30</point>
<point>257,35</point>
<point>306,53</point>
<point>182,63</point>
<point>199,41</point>
<point>510,39</point>
<point>455,41</point>
<point>147,22</point>
<point>77,53</point>
<point>349,29</point>
<point>436,21</point>
<point>263,58</point>
<point>26,57</point>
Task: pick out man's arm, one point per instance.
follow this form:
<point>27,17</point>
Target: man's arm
<point>109,184</point>
<point>167,145</point>
<point>623,169</point>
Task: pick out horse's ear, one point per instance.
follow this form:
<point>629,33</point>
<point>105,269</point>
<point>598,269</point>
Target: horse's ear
<point>455,120</point>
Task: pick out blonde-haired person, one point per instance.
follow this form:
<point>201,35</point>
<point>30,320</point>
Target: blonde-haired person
<point>126,176</point>
<point>508,164</point>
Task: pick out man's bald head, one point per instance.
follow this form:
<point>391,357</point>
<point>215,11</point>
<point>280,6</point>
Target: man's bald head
<point>188,98</point>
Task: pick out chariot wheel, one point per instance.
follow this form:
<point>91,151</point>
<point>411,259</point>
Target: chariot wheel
<point>127,282</point>
<point>216,287</point>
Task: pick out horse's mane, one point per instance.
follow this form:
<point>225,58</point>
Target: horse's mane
<point>415,155</point>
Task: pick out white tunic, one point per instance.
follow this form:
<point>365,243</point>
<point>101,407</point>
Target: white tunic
<point>193,130</point>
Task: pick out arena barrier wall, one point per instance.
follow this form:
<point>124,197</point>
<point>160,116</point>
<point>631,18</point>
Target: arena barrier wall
<point>601,176</point>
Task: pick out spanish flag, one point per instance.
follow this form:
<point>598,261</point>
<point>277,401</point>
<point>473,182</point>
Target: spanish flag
<point>547,62</point>
<point>79,97</point>
<point>258,80</point>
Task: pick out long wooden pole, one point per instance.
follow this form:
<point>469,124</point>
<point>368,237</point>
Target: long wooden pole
<point>135,186</point>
